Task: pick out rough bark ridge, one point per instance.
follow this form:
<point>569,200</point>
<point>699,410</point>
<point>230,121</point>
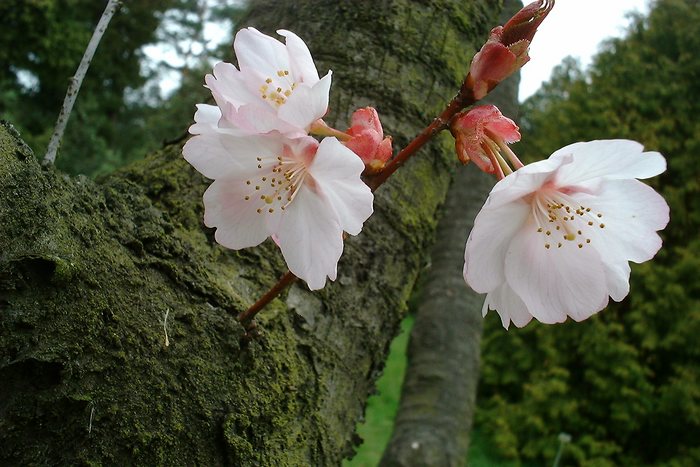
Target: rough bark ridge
<point>93,273</point>
<point>438,397</point>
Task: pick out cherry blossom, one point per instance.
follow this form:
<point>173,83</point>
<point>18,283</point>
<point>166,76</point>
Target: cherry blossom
<point>554,238</point>
<point>506,50</point>
<point>482,134</point>
<point>302,193</point>
<point>276,89</point>
<point>367,139</point>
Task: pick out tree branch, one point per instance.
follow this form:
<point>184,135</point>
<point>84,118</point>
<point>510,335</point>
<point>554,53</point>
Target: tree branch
<point>77,80</point>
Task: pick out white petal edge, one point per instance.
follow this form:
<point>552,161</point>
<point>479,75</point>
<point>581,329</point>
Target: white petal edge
<point>508,305</point>
<point>218,154</point>
<point>555,282</point>
<point>238,224</point>
<point>228,85</point>
<point>303,67</point>
<point>260,52</point>
<point>336,171</point>
<point>310,238</point>
<point>524,181</point>
<point>609,159</point>
<point>307,104</point>
<point>485,252</point>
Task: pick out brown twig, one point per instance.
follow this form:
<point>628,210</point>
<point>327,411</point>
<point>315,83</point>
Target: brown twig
<point>246,317</point>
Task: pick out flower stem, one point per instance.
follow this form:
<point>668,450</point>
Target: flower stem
<point>246,317</point>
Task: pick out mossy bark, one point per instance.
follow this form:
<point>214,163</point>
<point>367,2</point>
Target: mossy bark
<point>93,274</point>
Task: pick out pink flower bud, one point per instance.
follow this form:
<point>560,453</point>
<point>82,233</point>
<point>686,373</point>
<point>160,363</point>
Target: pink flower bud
<point>506,50</point>
<point>367,139</point>
<point>481,134</point>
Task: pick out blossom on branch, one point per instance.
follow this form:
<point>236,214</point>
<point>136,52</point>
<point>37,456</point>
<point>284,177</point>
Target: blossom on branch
<point>367,139</point>
<point>482,134</point>
<point>506,50</point>
<point>302,193</point>
<point>276,89</point>
<point>554,238</point>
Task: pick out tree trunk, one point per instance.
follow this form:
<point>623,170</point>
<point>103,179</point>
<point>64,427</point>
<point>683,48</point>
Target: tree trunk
<point>438,396</point>
<point>93,275</point>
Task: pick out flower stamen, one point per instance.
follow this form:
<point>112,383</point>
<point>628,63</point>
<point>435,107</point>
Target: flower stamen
<point>278,191</point>
<point>547,208</point>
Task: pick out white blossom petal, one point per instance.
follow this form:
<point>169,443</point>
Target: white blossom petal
<point>255,119</point>
<point>307,104</point>
<point>238,224</point>
<point>557,281</point>
<point>303,67</point>
<point>311,238</point>
<point>260,52</point>
<point>218,154</point>
<point>227,84</point>
<point>609,159</point>
<point>488,242</point>
<point>206,119</point>
<point>631,213</point>
<point>524,181</point>
<point>508,306</point>
<point>336,171</point>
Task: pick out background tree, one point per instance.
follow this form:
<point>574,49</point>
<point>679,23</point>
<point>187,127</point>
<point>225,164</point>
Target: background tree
<point>122,114</point>
<point>438,396</point>
<point>624,383</point>
<point>93,275</point>
<point>41,44</point>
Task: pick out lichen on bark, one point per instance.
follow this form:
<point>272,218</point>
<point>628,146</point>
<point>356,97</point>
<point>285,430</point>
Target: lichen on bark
<point>89,271</point>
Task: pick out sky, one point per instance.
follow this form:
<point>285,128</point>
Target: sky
<point>576,28</point>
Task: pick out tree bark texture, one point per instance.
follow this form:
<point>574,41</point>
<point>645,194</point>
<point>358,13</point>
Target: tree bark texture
<point>438,397</point>
<point>93,274</point>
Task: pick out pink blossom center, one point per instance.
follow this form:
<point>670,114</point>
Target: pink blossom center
<point>276,90</point>
<point>277,184</point>
<point>561,220</point>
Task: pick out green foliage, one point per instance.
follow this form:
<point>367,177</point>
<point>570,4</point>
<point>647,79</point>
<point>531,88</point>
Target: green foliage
<point>625,384</point>
<point>119,115</point>
<point>40,51</point>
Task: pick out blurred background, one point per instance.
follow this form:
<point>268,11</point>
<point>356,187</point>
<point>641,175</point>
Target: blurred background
<point>623,386</point>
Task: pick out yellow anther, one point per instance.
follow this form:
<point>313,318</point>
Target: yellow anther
<point>569,236</point>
